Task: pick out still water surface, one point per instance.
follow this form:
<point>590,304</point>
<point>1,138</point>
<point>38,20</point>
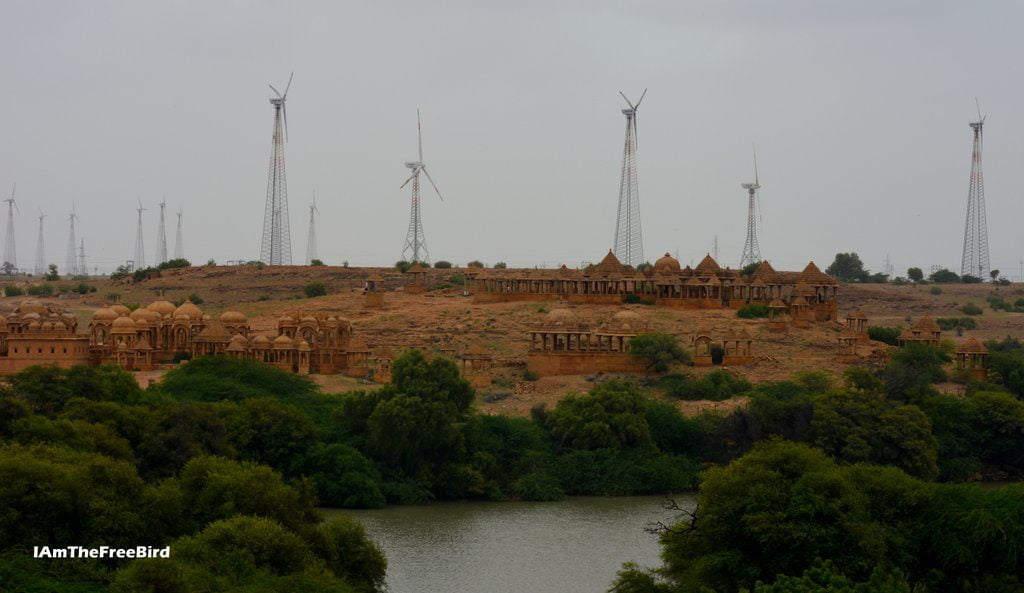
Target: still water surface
<point>573,546</point>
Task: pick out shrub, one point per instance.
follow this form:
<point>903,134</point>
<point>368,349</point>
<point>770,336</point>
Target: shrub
<point>635,299</point>
<point>476,264</point>
<point>12,290</point>
<point>263,297</point>
<point>968,279</point>
<point>752,311</point>
<point>658,351</point>
<point>196,299</point>
<point>935,290</point>
<point>956,323</point>
<point>120,272</point>
<point>40,290</point>
<point>943,276</point>
<point>971,309</point>
<point>456,278</point>
<point>443,265</point>
<point>314,289</point>
<point>887,335</point>
<point>500,265</point>
<point>174,263</point>
<point>403,266</point>
<point>316,262</point>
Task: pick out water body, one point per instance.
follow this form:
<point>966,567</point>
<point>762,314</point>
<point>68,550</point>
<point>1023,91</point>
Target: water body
<point>573,546</point>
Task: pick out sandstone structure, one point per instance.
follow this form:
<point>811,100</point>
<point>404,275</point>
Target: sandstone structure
<point>707,286</point>
<point>972,358</point>
<point>563,345</point>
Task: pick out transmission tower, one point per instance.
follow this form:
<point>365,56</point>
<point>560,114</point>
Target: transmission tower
<point>10,252</point>
<point>161,236</point>
<point>311,240</point>
<point>82,269</point>
<point>751,250</point>
<point>179,248</point>
<point>140,247</point>
<point>975,257</point>
<point>71,269</point>
<point>629,247</point>
<point>277,243</point>
<point>415,241</point>
<point>40,267</point>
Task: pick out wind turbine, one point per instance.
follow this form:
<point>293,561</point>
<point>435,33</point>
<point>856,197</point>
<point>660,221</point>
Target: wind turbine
<point>629,244</point>
<point>10,253</point>
<point>276,248</point>
<point>415,242</point>
<point>751,249</point>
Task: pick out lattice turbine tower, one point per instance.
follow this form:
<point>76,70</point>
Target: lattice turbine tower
<point>161,235</point>
<point>71,262</point>
<point>140,245</point>
<point>629,244</point>
<point>975,260</point>
<point>179,247</point>
<point>415,241</point>
<point>40,266</point>
<point>311,237</point>
<point>751,250</point>
<point>276,249</point>
<point>10,251</point>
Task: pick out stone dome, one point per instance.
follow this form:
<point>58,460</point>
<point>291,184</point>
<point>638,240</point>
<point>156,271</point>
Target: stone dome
<point>31,306</point>
<point>188,309</point>
<point>120,309</point>
<point>162,307</point>
<point>104,314</point>
<point>123,323</point>
<point>232,317</point>
<point>286,320</point>
<point>60,326</point>
<point>261,341</point>
<point>561,317</point>
<point>283,342</point>
<point>667,265</point>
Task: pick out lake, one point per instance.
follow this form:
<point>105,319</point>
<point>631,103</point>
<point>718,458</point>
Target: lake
<point>572,546</point>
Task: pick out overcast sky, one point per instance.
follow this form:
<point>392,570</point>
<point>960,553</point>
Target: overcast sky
<point>859,111</point>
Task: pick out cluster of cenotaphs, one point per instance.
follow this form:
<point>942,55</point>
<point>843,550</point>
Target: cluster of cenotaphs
<point>163,333</point>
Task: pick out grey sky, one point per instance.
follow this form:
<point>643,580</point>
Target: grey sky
<point>859,111</point>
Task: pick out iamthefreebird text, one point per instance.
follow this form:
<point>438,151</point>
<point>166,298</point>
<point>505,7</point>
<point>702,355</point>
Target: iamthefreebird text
<point>100,552</point>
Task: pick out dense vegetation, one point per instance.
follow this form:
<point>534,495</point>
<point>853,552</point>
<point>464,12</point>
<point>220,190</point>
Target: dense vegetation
<point>225,461</point>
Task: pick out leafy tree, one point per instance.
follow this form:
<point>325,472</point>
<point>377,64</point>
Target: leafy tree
<point>267,431</point>
<point>443,265</point>
<point>659,351</point>
<point>611,416</point>
<point>343,476</point>
<point>317,262</point>
<point>120,272</point>
<point>825,579</point>
<point>865,427</point>
<point>749,269</point>
<point>994,275</point>
<point>476,264</point>
<point>349,554</point>
<point>178,433</point>
<point>943,276</point>
<point>717,385</point>
<point>848,268</point>
<point>915,274</point>
<point>500,265</point>
<point>887,335</point>
<point>51,273</point>
<point>752,311</point>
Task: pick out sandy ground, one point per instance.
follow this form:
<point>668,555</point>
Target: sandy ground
<point>445,321</point>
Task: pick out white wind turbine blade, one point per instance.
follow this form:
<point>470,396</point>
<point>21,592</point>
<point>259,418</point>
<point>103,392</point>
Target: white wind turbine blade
<point>285,95</point>
<point>432,183</point>
<point>627,100</point>
<point>419,134</point>
<point>756,181</point>
<point>415,172</point>
<point>278,93</point>
<point>642,95</point>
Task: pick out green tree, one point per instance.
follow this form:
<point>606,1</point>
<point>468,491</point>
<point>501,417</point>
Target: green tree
<point>848,268</point>
<point>658,351</point>
<point>915,274</point>
<point>865,427</point>
<point>267,431</point>
<point>943,276</point>
<point>611,416</point>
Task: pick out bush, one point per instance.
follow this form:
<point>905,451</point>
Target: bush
<point>971,309</point>
<point>956,323</point>
<point>944,276</point>
<point>752,311</point>
<point>717,385</point>
<point>314,289</point>
<point>443,265</point>
<point>658,351</point>
<point>40,290</point>
<point>886,335</point>
<point>500,265</point>
<point>968,279</point>
<point>476,264</point>
<point>316,262</point>
<point>175,263</point>
<point>635,299</point>
<point>13,291</point>
<point>935,290</point>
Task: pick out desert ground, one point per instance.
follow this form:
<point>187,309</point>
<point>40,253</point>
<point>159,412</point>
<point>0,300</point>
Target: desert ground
<point>445,321</point>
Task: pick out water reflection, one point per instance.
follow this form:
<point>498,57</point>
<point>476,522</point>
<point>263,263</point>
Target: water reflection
<point>576,545</point>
